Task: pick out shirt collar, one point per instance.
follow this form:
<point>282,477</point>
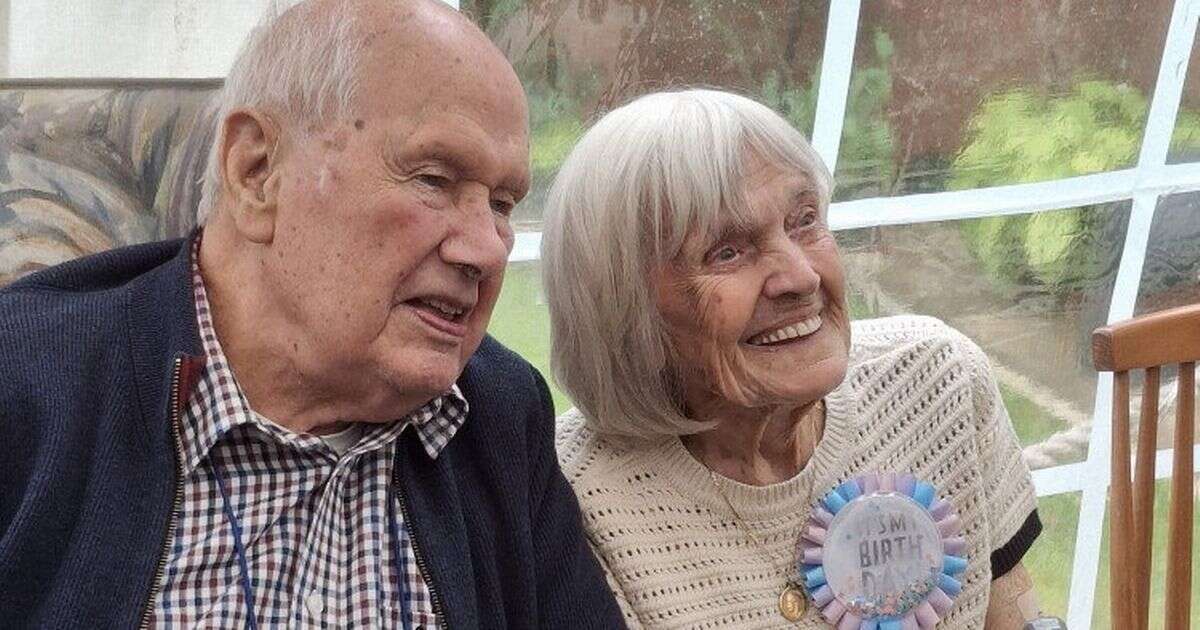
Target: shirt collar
<point>217,404</point>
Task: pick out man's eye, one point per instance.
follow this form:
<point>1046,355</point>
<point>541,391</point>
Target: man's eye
<point>433,180</point>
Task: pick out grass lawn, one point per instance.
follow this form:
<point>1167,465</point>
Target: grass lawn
<point>522,322</point>
<point>1050,559</point>
<point>1033,423</point>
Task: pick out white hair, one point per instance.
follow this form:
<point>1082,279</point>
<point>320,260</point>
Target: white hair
<point>301,63</point>
<point>638,183</point>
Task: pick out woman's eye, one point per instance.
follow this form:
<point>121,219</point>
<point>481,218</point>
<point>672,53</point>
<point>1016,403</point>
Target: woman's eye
<point>724,254</point>
<point>801,220</point>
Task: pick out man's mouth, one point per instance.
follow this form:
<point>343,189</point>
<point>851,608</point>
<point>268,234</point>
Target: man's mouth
<point>788,333</point>
<point>439,308</point>
<point>442,315</point>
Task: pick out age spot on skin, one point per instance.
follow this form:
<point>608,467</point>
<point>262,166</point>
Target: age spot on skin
<point>337,143</point>
<point>360,124</point>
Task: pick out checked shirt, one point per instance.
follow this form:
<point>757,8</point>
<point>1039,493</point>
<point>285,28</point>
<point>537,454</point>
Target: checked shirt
<point>314,523</point>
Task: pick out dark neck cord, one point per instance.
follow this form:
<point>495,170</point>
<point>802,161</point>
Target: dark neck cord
<point>247,589</point>
<point>401,577</point>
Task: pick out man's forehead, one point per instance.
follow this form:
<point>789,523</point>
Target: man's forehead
<point>464,75</point>
<point>498,150</point>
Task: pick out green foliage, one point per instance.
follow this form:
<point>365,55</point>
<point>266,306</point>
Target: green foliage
<point>798,105</point>
<point>556,127</point>
<point>867,137</point>
<point>1021,136</point>
<point>491,14</point>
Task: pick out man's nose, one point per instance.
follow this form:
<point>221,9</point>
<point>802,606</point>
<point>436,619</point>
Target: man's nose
<point>478,243</point>
<point>792,273</point>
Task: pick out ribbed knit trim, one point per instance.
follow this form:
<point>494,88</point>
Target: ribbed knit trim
<point>1007,556</point>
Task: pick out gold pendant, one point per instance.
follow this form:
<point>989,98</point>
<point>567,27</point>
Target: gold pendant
<point>792,603</point>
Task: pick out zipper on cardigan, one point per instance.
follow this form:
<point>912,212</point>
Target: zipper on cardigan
<point>438,609</point>
<point>172,520</point>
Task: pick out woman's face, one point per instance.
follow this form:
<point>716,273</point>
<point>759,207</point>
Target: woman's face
<point>758,313</point>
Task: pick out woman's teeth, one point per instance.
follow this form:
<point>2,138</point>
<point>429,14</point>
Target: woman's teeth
<point>802,329</point>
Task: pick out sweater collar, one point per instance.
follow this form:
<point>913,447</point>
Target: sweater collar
<point>164,341</point>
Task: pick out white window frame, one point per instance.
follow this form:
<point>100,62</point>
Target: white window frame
<point>1144,184</point>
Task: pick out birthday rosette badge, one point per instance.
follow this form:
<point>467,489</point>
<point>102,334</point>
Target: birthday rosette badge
<point>882,552</point>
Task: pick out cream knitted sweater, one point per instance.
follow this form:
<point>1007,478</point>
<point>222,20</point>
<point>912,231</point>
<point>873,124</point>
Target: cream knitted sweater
<point>918,397</point>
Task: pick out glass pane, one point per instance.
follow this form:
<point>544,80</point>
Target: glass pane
<point>579,58</point>
<point>1185,142</point>
<point>1101,614</point>
<point>1028,289</point>
<point>127,39</point>
<point>86,170</point>
<point>1171,272</point>
<point>1052,556</point>
<point>956,95</point>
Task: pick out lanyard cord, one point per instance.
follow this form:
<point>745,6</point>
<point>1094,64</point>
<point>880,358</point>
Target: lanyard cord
<point>400,560</point>
<point>248,591</point>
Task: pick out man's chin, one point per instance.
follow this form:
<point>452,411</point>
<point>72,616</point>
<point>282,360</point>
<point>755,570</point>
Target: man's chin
<point>426,379</point>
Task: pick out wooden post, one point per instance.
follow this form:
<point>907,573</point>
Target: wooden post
<point>1179,541</point>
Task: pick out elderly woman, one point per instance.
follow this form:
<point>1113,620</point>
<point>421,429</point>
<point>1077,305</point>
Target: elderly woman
<point>700,324</point>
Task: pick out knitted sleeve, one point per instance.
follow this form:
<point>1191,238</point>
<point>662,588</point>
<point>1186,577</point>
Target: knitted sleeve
<point>1008,486</point>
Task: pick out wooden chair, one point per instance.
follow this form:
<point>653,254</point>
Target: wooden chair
<point>1147,343</point>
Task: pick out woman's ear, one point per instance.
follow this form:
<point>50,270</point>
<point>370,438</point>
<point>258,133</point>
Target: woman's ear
<point>249,169</point>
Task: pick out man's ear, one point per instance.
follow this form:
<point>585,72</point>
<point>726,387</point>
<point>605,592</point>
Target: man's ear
<point>251,180</point>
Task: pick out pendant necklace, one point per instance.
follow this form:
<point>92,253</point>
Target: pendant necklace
<point>791,602</point>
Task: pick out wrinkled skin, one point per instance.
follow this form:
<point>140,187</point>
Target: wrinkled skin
<point>720,293</point>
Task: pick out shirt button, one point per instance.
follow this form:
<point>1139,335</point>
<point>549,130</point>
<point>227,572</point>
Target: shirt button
<point>315,604</point>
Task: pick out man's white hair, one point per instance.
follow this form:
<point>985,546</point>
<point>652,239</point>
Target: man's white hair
<point>641,181</point>
<point>301,63</point>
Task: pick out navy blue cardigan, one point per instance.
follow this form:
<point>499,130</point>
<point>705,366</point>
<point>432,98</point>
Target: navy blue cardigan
<point>90,353</point>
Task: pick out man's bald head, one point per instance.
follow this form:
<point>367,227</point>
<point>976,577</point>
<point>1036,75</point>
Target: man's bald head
<point>308,64</point>
<point>371,153</point>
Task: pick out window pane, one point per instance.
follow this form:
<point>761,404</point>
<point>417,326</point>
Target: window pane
<point>1171,272</point>
<point>1185,142</point>
<point>580,58</point>
<point>1029,289</point>
<point>1052,556</point>
<point>1101,614</point>
<point>955,95</point>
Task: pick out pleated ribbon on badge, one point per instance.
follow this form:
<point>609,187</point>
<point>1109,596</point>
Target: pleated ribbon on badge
<point>881,552</point>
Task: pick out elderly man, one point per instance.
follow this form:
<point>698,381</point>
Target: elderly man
<point>293,418</point>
